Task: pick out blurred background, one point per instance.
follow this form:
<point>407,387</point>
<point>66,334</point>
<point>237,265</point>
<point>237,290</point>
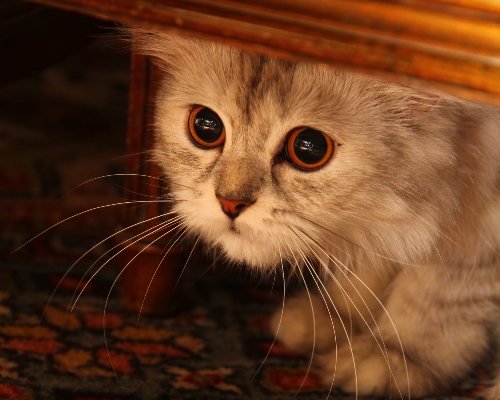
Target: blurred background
<point>63,115</point>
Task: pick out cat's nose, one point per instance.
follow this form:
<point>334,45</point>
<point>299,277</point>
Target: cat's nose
<point>232,208</point>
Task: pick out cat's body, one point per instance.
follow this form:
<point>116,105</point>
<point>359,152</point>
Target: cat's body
<point>403,219</point>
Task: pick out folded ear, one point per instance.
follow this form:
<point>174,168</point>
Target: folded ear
<point>173,52</point>
<point>166,49</point>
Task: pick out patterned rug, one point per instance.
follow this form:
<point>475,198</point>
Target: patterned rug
<point>210,348</point>
<point>58,129</point>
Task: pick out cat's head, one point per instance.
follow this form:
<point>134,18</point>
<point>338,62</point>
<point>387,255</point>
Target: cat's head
<point>270,159</point>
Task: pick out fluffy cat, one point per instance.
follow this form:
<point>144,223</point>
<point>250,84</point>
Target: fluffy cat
<point>385,198</point>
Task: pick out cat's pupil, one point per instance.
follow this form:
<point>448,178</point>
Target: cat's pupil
<point>310,146</point>
<point>208,125</point>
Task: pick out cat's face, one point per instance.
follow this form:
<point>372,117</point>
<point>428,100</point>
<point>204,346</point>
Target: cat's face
<point>383,167</point>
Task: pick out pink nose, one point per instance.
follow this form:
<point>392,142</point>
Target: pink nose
<point>232,208</point>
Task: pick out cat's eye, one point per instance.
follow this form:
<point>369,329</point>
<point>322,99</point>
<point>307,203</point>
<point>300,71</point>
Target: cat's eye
<point>206,127</point>
<point>308,149</point>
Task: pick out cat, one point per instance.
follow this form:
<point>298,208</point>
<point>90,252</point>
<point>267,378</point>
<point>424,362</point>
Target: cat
<point>385,198</point>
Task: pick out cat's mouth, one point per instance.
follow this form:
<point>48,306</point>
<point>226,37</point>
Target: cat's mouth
<point>234,229</point>
<point>246,239</point>
<point>242,244</point>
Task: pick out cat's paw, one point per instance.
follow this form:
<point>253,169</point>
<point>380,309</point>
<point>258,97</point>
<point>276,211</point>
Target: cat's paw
<point>375,371</point>
<point>301,329</point>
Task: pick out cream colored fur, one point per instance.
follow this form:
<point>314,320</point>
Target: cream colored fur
<point>403,222</point>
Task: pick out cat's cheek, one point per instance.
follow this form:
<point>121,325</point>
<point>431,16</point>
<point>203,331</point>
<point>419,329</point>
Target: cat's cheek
<point>204,219</point>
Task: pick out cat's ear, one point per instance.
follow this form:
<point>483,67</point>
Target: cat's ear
<point>418,100</point>
<point>426,101</point>
<point>411,104</point>
<point>170,52</point>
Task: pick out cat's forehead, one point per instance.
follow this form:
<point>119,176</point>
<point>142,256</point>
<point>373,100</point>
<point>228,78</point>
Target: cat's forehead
<point>263,85</point>
<point>247,85</point>
<point>259,94</point>
<point>266,96</point>
<point>260,100</point>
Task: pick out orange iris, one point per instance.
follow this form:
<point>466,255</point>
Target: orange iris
<point>206,127</point>
<point>308,149</point>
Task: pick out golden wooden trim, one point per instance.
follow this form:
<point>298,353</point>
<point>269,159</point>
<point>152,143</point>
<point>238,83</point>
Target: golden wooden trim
<point>451,44</point>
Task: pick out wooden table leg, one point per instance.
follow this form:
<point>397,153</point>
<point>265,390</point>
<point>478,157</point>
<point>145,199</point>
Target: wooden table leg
<point>150,281</point>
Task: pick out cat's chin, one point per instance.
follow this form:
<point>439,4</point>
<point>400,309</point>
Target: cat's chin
<point>252,252</point>
<point>241,241</point>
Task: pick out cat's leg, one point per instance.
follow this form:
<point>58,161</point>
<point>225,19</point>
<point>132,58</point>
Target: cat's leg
<point>325,320</point>
<point>440,321</point>
<point>304,324</point>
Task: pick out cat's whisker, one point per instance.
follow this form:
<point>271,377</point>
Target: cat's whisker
<point>320,291</point>
<point>86,212</point>
<point>181,234</point>
<point>68,271</point>
<point>441,264</point>
<point>304,217</point>
<point>273,283</point>
<point>280,318</point>
<point>349,341</point>
<point>120,244</point>
<point>146,196</point>
<point>216,256</point>
<point>187,261</point>
<point>434,227</point>
<point>163,226</point>
<point>310,269</point>
<point>160,179</point>
<point>135,154</point>
<point>375,297</point>
<point>335,260</point>
<point>120,175</point>
<point>353,215</point>
<point>386,312</point>
<point>383,350</point>
<point>353,243</point>
<point>382,347</point>
<point>330,274</point>
<point>127,241</point>
<point>313,349</point>
<point>311,358</point>
<point>349,312</point>
<point>122,271</point>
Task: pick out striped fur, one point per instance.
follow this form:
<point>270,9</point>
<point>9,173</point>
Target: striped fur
<point>403,221</point>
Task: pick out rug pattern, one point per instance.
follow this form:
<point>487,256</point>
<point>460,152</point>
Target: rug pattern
<point>211,347</point>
